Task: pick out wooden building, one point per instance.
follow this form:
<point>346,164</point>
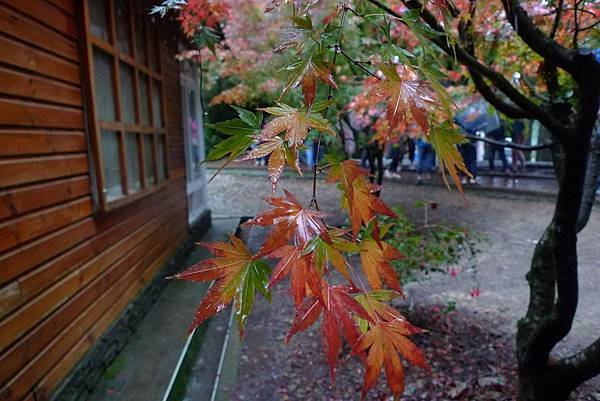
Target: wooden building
<point>100,143</point>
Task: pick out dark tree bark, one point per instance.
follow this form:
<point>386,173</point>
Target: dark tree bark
<point>553,275</point>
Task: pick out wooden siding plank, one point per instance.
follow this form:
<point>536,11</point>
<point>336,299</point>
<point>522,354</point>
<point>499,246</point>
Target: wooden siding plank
<point>31,32</point>
<point>25,258</point>
<point>39,62</point>
<point>67,6</point>
<point>39,340</point>
<point>48,14</point>
<point>110,304</point>
<point>40,142</point>
<point>54,377</point>
<point>32,114</point>
<point>39,279</point>
<point>23,319</point>
<point>23,171</point>
<point>28,227</point>
<point>38,88</point>
<point>26,199</point>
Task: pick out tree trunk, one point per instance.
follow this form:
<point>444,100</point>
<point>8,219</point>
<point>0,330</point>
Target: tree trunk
<point>553,289</point>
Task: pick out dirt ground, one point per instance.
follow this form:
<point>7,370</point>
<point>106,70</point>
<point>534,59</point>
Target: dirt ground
<point>471,348</point>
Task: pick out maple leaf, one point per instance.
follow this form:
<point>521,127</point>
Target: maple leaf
<point>384,341</point>
<point>385,336</point>
<point>324,252</point>
<point>338,309</point>
<point>308,72</point>
<point>290,221</point>
<point>241,132</point>
<point>403,96</point>
<point>360,201</point>
<point>375,261</point>
<point>292,263</point>
<point>280,154</point>
<point>444,139</point>
<point>237,274</point>
<point>296,124</point>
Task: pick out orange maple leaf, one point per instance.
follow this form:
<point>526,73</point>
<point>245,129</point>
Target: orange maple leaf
<point>339,310</point>
<point>375,261</point>
<point>416,97</point>
<point>385,336</point>
<point>296,124</point>
<point>362,204</point>
<point>308,72</point>
<point>280,154</point>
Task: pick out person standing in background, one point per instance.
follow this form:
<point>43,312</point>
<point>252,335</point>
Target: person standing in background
<point>518,137</point>
<point>495,131</point>
<point>426,160</point>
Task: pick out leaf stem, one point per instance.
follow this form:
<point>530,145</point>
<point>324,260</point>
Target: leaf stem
<point>337,49</point>
<point>358,64</point>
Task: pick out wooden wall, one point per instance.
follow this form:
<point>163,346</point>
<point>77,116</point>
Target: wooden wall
<point>66,273</point>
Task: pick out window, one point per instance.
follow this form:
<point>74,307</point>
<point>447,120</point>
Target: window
<point>128,127</point>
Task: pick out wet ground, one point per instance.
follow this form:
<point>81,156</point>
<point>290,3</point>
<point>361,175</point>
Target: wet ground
<point>473,344</point>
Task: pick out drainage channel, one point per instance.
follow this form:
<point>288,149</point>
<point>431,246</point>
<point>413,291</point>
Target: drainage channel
<point>207,366</point>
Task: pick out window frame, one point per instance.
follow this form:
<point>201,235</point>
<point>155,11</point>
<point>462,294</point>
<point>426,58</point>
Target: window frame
<point>151,43</point>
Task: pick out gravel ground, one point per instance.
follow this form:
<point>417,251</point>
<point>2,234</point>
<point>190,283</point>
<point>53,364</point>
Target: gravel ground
<point>511,225</point>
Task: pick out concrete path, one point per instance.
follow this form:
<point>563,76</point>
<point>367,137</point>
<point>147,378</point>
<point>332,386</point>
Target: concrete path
<point>143,370</point>
<point>510,222</point>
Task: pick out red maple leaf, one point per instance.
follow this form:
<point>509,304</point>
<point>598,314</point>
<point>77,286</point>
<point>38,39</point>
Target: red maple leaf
<point>290,221</point>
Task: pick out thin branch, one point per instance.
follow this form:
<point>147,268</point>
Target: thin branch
<point>465,32</point>
<point>532,90</point>
<point>559,9</point>
<point>586,28</point>
<point>576,21</point>
<point>313,201</point>
<point>510,145</point>
<point>358,63</point>
<point>510,110</point>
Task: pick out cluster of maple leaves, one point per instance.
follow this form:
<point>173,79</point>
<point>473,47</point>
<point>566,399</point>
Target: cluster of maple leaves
<point>308,253</point>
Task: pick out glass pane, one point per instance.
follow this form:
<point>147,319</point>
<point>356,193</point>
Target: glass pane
<point>109,142</point>
<point>127,94</point>
<point>98,18</point>
<point>140,38</point>
<point>144,93</point>
<point>160,158</point>
<point>154,44</point>
<point>103,81</point>
<point>148,160</point>
<point>123,26</point>
<point>133,162</point>
<point>156,104</point>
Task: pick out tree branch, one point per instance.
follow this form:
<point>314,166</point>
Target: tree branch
<point>488,94</point>
<point>543,45</point>
<point>357,63</point>
<point>559,9</point>
<point>560,131</point>
<point>582,366</point>
<point>465,32</point>
<point>510,145</point>
<point>591,180</point>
